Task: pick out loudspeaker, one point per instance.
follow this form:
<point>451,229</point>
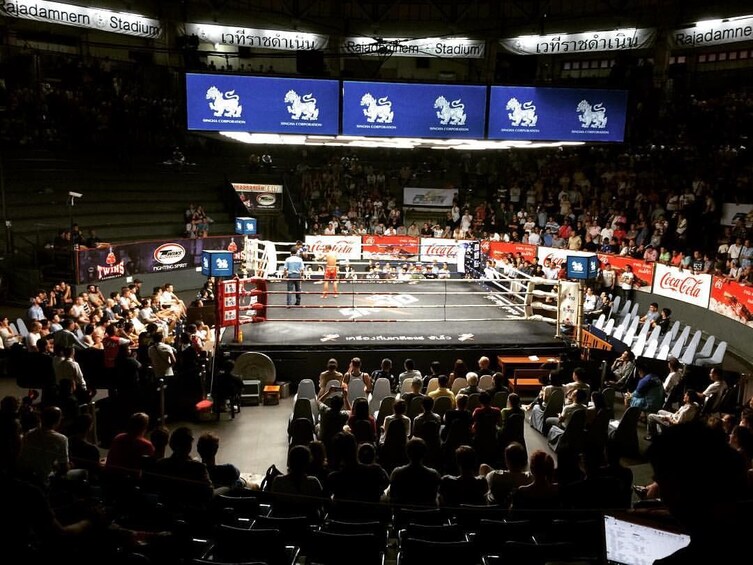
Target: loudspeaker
<point>309,62</point>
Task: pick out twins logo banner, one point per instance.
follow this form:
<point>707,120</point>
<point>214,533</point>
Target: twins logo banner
<point>733,300</point>
<point>383,109</point>
<point>557,114</point>
<point>682,285</point>
<point>144,257</point>
<point>262,104</point>
<point>390,247</point>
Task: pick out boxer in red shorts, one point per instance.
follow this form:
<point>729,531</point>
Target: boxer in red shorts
<point>330,270</point>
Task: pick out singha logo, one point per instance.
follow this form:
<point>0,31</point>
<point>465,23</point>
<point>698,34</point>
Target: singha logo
<point>225,104</point>
<point>301,107</point>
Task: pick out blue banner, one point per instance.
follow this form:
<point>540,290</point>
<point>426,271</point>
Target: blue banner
<point>557,114</point>
<point>262,104</point>
<point>383,109</point>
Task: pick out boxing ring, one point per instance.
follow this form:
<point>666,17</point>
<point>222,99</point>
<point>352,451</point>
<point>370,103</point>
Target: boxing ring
<point>430,317</point>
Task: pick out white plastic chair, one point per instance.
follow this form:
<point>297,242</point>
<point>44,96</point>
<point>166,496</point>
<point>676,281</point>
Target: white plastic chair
<point>675,329</point>
<point>619,331</point>
<point>432,385</point>
<point>381,389</point>
<point>306,389</point>
<point>625,310</point>
<point>678,345</point>
<point>405,386</point>
<point>630,334</point>
<point>486,382</point>
<point>356,389</point>
<point>651,348</point>
<point>458,383</point>
<point>708,348</point>
<point>22,329</point>
<point>615,311</point>
<point>642,333</point>
<point>639,346</point>
<point>663,352</point>
<point>634,310</point>
<point>609,328</point>
<point>688,354</point>
<point>600,321</point>
<point>716,359</point>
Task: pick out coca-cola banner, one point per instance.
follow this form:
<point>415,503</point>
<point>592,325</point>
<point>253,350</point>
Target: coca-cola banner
<point>439,250</point>
<point>732,299</point>
<point>643,271</point>
<point>390,247</point>
<point>499,249</point>
<point>558,256</point>
<point>143,257</point>
<point>346,246</point>
<point>682,285</point>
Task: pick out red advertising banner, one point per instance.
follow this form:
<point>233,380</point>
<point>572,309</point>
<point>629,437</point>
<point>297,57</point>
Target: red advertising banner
<point>499,249</point>
<point>732,299</point>
<point>643,271</point>
<point>387,247</point>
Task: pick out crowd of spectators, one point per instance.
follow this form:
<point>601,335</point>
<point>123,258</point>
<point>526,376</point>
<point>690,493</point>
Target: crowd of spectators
<point>92,104</point>
<point>602,199</point>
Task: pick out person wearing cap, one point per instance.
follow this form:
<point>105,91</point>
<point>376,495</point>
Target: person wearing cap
<point>650,255</point>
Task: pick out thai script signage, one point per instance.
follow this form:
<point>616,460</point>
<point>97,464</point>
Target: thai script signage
<point>260,38</point>
<point>586,42</point>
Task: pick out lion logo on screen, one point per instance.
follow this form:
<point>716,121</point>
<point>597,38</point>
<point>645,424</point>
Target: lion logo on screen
<point>377,110</point>
<point>450,113</point>
<point>225,104</point>
<point>592,116</point>
<point>522,114</point>
<point>301,107</point>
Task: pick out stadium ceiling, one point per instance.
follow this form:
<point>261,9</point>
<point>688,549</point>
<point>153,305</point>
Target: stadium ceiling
<point>479,18</point>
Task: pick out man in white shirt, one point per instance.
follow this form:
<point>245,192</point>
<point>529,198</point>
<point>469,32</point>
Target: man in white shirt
<point>691,407</point>
<point>410,371</point>
<point>168,299</point>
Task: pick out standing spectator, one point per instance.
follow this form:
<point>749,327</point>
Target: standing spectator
<point>292,271</point>
<point>162,357</point>
<point>44,450</point>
